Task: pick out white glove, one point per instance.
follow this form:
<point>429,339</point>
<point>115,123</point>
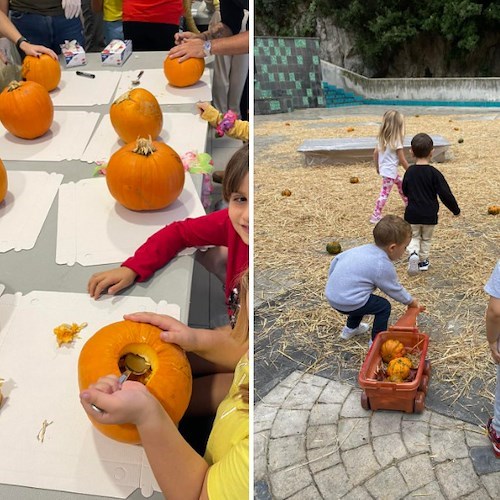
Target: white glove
<point>72,8</point>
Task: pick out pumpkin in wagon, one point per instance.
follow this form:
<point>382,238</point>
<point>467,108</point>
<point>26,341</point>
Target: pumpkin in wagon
<point>145,175</point>
<point>136,113</point>
<point>185,73</point>
<point>168,375</point>
<point>4,184</point>
<point>43,70</point>
<point>391,349</point>
<point>399,369</point>
<point>26,109</point>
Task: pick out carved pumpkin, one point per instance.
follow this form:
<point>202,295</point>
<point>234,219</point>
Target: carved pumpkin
<point>136,113</point>
<point>145,175</point>
<point>43,70</point>
<point>185,73</point>
<point>399,368</point>
<point>26,109</point>
<point>392,349</point>
<point>168,377</point>
<point>333,248</point>
<point>3,181</point>
<point>494,209</point>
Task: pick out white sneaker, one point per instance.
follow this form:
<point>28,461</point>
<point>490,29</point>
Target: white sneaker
<point>348,333</point>
<point>413,268</point>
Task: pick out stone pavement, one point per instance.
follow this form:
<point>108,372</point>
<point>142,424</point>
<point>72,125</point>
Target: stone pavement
<point>313,440</point>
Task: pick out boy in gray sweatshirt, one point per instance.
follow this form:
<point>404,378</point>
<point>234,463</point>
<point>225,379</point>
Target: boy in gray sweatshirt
<point>356,273</point>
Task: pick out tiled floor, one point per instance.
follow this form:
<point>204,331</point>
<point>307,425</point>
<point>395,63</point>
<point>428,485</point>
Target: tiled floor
<point>209,313</point>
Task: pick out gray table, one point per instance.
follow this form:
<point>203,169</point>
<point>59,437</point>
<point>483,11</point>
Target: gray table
<point>36,269</point>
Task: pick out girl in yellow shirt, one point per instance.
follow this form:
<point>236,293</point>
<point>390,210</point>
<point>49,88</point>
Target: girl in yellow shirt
<point>112,17</point>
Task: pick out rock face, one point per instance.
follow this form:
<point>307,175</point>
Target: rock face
<point>424,56</point>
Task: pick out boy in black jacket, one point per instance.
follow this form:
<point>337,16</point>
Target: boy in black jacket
<point>422,184</point>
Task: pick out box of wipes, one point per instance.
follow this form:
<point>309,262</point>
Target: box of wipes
<point>116,52</point>
<point>73,53</point>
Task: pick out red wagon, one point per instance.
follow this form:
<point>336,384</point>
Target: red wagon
<point>403,396</point>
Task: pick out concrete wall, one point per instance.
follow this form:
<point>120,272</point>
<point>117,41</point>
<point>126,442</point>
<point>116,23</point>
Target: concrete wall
<point>416,89</point>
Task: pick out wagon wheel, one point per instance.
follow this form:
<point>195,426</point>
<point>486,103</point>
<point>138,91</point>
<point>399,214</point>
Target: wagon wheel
<point>424,383</point>
<point>427,368</point>
<point>419,402</point>
<point>365,402</point>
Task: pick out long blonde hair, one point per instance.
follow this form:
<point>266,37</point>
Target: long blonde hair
<point>392,130</point>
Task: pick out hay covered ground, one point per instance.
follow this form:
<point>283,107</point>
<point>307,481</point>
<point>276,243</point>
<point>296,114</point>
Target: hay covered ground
<point>291,234</point>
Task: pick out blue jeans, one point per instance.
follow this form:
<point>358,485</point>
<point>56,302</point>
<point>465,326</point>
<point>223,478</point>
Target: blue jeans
<point>113,30</point>
<point>377,306</point>
<point>51,31</point>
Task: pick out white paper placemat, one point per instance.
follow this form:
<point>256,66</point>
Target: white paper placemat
<point>25,208</point>
<point>94,229</point>
<point>74,90</point>
<point>181,131</point>
<point>66,140</point>
<point>41,383</point>
<point>155,81</point>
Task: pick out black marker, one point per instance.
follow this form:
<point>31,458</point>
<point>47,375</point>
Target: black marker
<point>82,73</point>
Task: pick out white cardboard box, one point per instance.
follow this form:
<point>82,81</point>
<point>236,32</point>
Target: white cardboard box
<point>116,52</point>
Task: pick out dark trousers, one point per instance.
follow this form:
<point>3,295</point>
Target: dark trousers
<point>149,36</point>
<point>377,306</point>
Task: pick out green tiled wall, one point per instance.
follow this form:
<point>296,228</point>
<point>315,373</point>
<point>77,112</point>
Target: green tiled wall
<point>287,74</point>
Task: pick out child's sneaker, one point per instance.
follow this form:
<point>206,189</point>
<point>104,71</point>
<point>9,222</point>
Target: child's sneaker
<point>424,265</point>
<point>348,333</point>
<point>375,218</point>
<point>413,264</point>
<point>494,438</point>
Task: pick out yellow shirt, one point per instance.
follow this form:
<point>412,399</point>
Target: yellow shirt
<point>112,10</point>
<point>227,447</point>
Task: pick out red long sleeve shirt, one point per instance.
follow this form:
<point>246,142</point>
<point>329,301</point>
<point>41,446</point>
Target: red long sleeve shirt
<point>214,229</point>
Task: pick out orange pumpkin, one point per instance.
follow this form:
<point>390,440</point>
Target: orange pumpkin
<point>3,181</point>
<point>43,70</point>
<point>392,349</point>
<point>399,369</point>
<point>145,175</point>
<point>135,114</point>
<point>168,378</point>
<point>26,109</point>
<point>185,73</point>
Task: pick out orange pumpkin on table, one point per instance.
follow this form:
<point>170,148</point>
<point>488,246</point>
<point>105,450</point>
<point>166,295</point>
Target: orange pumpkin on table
<point>43,70</point>
<point>26,109</point>
<point>185,73</point>
<point>136,113</point>
<point>3,181</point>
<point>145,175</point>
<point>168,376</point>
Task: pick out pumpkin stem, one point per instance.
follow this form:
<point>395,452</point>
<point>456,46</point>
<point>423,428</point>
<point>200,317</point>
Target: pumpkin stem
<point>144,146</point>
<point>13,85</point>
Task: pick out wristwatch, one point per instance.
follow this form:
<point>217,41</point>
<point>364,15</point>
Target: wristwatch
<point>20,41</point>
<point>207,48</point>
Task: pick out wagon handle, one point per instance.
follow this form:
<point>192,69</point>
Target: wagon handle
<point>409,319</point>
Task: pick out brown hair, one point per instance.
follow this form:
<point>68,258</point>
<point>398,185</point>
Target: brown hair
<point>235,172</point>
<point>391,229</point>
<point>421,145</point>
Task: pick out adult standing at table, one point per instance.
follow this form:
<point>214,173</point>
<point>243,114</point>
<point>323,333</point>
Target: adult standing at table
<point>151,24</point>
<point>46,22</point>
<point>229,37</point>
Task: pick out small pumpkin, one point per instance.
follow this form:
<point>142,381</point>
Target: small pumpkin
<point>145,175</point>
<point>136,113</point>
<point>350,129</point>
<point>333,247</point>
<point>168,377</point>
<point>26,109</point>
<point>460,140</point>
<point>494,209</point>
<point>391,349</point>
<point>185,73</point>
<point>399,368</point>
<point>286,192</point>
<point>354,180</point>
<point>43,70</point>
<point>4,183</point>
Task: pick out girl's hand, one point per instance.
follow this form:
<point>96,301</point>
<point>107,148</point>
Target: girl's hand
<point>202,106</point>
<point>130,403</point>
<point>173,332</point>
<point>36,50</point>
<point>113,280</point>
